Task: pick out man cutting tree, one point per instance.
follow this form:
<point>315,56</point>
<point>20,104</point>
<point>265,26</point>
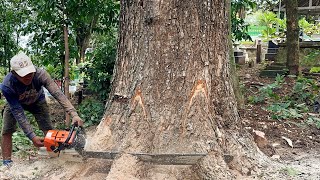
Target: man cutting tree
<point>23,90</point>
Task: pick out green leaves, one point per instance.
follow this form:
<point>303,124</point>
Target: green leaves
<point>288,105</point>
<point>83,18</point>
<point>239,28</point>
<point>20,142</point>
<point>315,69</point>
<point>268,92</point>
<point>269,20</point>
<point>283,111</point>
<point>98,69</point>
<point>312,120</point>
<point>8,28</point>
<point>91,111</point>
<point>311,58</point>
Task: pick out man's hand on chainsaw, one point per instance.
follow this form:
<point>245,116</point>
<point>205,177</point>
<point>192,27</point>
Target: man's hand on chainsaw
<point>77,119</point>
<point>38,141</point>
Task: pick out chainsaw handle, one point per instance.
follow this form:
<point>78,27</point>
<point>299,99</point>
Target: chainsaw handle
<point>71,132</point>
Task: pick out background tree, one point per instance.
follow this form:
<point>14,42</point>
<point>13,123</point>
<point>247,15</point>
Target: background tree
<point>98,68</point>
<point>91,16</point>
<point>172,91</point>
<point>266,4</point>
<point>239,28</point>
<point>292,36</point>
<point>83,19</point>
<point>66,56</point>
<point>8,29</point>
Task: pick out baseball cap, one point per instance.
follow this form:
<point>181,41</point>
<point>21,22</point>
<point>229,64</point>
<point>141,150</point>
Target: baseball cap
<point>21,64</point>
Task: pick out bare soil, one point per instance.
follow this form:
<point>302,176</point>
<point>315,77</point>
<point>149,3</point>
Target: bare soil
<point>301,161</point>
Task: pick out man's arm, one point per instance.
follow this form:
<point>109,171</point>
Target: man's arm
<point>56,92</point>
<point>18,112</point>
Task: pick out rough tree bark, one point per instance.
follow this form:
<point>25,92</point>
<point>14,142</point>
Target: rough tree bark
<point>292,37</point>
<point>172,92</point>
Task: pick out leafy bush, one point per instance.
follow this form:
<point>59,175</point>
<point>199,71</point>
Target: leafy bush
<point>20,142</point>
<point>3,72</point>
<point>239,27</point>
<point>304,91</point>
<point>91,111</point>
<point>268,91</point>
<point>309,28</point>
<point>56,72</point>
<point>98,68</point>
<point>292,105</point>
<point>310,58</point>
<point>314,120</point>
<point>21,145</point>
<point>269,20</point>
<point>286,111</point>
<point>315,70</point>
<point>256,99</point>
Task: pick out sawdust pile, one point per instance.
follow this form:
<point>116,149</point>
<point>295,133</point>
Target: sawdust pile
<point>124,168</point>
<point>101,139</point>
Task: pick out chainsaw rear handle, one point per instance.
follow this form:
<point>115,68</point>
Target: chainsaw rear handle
<point>71,132</point>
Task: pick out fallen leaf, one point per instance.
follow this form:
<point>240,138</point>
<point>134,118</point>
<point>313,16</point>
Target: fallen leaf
<point>276,156</point>
<point>260,139</point>
<point>275,144</point>
<point>259,133</point>
<point>288,141</point>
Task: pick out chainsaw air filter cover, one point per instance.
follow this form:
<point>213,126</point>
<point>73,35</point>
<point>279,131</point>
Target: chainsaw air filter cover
<point>56,138</point>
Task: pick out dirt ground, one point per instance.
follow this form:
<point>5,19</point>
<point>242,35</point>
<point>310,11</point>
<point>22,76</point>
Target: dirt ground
<point>299,161</point>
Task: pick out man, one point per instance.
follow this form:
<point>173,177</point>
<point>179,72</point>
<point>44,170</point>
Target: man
<point>23,90</point>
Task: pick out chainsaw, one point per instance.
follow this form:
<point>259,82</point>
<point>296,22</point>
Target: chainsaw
<point>58,140</point>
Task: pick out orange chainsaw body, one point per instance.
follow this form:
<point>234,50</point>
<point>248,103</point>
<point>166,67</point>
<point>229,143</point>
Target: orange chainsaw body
<point>54,138</point>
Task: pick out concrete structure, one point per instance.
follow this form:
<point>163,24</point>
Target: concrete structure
<point>307,7</point>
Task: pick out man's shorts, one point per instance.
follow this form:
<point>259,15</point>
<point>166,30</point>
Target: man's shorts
<point>40,111</point>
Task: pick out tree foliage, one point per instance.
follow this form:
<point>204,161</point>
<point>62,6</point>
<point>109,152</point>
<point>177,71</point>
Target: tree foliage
<point>83,19</point>
<point>91,16</point>
<point>266,4</point>
<point>238,26</point>
<point>99,65</point>
<point>89,22</point>
<point>8,30</point>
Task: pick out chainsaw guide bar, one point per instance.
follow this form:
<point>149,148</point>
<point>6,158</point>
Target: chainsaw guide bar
<point>161,159</point>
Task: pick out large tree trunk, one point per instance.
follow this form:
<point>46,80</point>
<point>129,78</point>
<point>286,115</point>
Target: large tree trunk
<point>292,37</point>
<point>172,91</point>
